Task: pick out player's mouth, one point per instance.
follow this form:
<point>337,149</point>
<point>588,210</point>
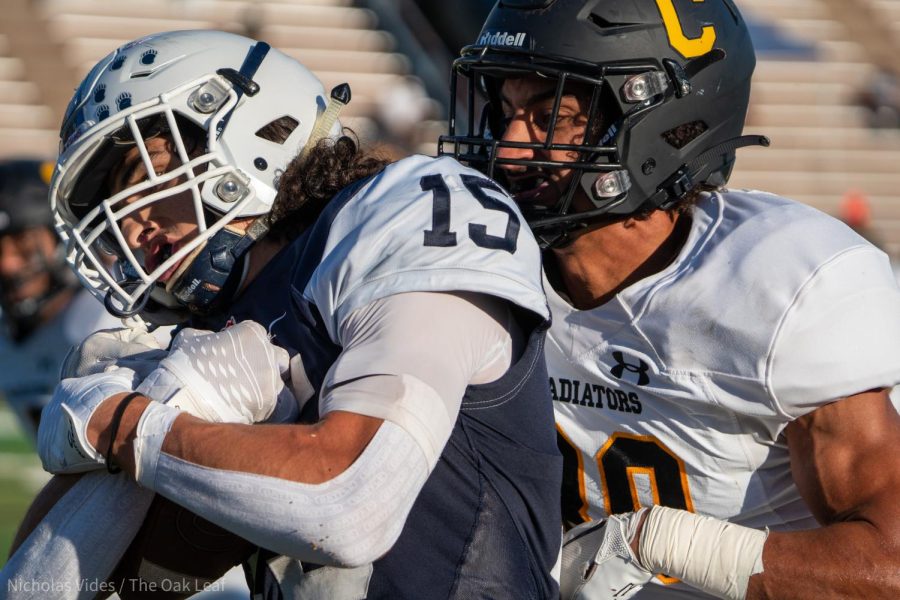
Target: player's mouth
<point>532,188</point>
<point>159,252</point>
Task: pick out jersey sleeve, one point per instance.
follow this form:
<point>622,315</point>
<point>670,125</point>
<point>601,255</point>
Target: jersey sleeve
<point>840,336</point>
<point>408,359</point>
<point>425,225</point>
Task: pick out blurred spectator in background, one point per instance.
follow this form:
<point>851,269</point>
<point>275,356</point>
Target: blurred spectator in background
<point>856,213</point>
<point>881,98</point>
<point>401,109</point>
<point>44,310</point>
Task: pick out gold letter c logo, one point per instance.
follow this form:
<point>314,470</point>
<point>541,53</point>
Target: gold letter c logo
<point>687,47</point>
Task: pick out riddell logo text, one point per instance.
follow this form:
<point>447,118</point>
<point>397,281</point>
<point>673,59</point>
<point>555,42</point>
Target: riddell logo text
<point>501,38</point>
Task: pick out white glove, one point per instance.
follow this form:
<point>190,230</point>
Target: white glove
<point>107,349</point>
<point>62,433</point>
<point>233,376</point>
<point>597,561</point>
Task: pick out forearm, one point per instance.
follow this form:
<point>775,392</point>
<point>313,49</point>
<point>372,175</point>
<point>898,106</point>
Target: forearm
<point>853,559</point>
<point>328,447</point>
<point>844,462</point>
<point>844,560</point>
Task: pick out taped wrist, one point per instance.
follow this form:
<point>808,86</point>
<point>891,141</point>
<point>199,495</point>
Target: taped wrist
<point>709,554</point>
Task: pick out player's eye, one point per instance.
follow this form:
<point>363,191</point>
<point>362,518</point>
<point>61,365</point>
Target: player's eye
<point>542,119</point>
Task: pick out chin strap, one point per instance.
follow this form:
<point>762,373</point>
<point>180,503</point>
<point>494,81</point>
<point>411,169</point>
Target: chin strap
<point>218,270</point>
<point>687,177</point>
<point>340,97</point>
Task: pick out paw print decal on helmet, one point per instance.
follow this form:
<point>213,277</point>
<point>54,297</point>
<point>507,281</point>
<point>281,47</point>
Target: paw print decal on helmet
<point>148,57</point>
<point>123,101</point>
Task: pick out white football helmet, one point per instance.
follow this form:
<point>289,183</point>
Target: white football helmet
<point>220,88</point>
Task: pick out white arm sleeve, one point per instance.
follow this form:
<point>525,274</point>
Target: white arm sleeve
<point>349,521</point>
<point>408,359</point>
<point>80,541</point>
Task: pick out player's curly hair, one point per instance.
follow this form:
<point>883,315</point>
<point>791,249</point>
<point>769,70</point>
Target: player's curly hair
<point>310,182</point>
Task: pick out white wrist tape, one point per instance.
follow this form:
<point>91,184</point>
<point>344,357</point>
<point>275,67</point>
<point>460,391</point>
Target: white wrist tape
<point>709,554</point>
<point>153,426</point>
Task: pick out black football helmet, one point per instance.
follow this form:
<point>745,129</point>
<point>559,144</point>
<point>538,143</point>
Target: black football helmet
<point>24,205</point>
<point>653,67</point>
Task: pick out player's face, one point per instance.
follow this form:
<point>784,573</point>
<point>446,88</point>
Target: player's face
<point>528,110</point>
<point>160,228</point>
<point>25,257</point>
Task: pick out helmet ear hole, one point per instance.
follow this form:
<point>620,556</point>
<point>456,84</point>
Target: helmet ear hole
<point>279,130</point>
<point>684,134</point>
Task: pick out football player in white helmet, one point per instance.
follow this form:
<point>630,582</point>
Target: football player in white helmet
<point>406,307</point>
<point>713,352</point>
<point>42,310</point>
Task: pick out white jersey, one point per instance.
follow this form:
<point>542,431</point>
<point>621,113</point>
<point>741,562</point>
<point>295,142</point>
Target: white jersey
<point>424,224</point>
<point>29,370</point>
<point>676,391</point>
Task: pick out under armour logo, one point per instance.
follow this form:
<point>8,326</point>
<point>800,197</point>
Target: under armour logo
<point>622,366</point>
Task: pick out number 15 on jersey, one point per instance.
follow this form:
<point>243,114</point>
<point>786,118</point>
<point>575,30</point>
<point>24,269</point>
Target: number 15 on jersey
<point>440,233</point>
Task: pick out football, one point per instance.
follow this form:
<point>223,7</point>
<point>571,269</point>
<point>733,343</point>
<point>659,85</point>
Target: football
<point>176,554</point>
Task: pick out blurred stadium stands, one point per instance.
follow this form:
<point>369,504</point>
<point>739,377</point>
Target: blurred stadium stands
<point>822,146</point>
<point>47,46</point>
<point>816,59</point>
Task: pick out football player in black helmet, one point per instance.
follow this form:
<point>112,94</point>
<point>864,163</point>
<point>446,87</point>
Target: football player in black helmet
<point>662,112</point>
<point>32,272</point>
<point>41,311</point>
<point>713,352</point>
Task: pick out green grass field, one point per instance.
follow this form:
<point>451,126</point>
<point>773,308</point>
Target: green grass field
<point>21,477</point>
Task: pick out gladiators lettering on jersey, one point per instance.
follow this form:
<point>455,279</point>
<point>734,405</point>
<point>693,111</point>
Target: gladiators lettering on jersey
<point>625,367</point>
<point>594,395</point>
